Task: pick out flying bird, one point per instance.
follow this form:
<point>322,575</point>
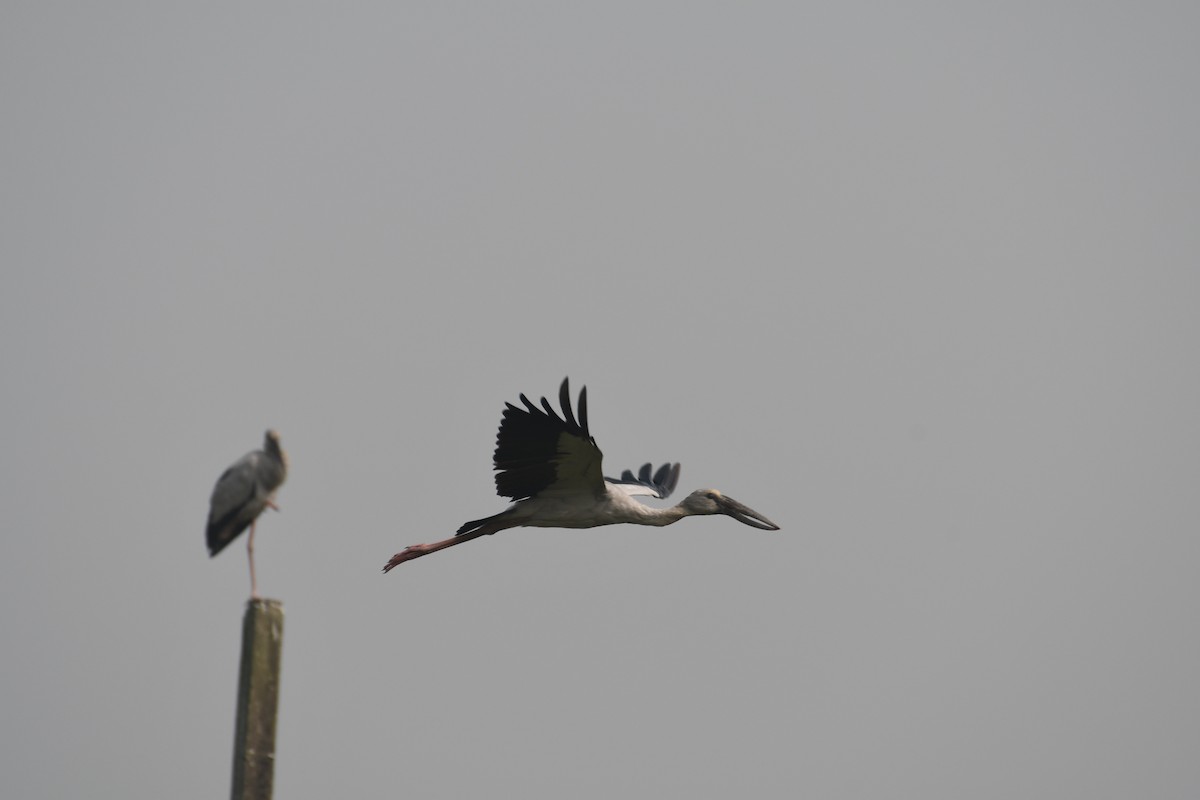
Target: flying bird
<point>550,467</point>
<point>244,491</point>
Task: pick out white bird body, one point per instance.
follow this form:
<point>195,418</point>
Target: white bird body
<point>551,467</point>
<point>578,511</point>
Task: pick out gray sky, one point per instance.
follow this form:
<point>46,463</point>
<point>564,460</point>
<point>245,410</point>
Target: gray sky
<point>919,283</point>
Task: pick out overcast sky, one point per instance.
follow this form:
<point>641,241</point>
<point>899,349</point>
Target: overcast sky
<point>916,281</point>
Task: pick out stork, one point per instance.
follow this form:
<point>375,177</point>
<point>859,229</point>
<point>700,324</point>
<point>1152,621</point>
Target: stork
<point>550,467</point>
<point>244,491</point>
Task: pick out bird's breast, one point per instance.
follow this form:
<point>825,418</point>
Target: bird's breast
<point>576,511</point>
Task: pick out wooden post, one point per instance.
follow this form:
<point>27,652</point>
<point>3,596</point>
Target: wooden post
<point>258,700</point>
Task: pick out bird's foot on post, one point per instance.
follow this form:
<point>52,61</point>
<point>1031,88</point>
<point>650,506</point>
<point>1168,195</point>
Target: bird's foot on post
<point>271,505</point>
<point>407,554</point>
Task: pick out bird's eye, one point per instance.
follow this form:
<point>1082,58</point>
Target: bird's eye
<point>711,495</point>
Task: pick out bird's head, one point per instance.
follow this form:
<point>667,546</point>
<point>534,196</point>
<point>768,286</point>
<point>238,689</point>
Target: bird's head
<point>710,501</point>
<point>271,444</point>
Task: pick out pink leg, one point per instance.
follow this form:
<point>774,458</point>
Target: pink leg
<point>418,550</point>
<point>250,554</point>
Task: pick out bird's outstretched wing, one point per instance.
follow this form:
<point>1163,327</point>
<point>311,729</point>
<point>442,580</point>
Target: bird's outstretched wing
<point>539,453</point>
<point>660,484</point>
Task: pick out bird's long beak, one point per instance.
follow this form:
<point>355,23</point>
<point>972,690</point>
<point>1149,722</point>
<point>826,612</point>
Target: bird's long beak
<point>745,514</point>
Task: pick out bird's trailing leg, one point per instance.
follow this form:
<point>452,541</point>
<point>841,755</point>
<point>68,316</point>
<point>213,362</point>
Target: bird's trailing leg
<point>250,554</point>
<point>418,550</point>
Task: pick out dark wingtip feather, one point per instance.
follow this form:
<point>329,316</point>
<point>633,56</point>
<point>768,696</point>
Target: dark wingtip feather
<point>583,423</point>
<point>674,479</point>
<point>550,412</point>
<point>564,400</point>
<point>660,477</point>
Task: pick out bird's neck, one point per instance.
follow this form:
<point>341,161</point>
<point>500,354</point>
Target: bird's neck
<point>280,455</point>
<point>663,516</point>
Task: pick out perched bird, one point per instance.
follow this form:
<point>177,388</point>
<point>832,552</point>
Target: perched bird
<point>550,467</point>
<point>243,492</point>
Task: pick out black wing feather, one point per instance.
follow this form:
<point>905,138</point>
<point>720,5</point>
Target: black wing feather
<point>564,400</point>
<point>527,444</point>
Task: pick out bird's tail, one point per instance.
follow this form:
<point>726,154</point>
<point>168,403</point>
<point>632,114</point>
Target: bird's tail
<point>220,533</point>
<point>476,524</point>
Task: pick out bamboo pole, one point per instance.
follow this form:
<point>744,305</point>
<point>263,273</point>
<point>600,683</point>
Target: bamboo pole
<point>258,700</point>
